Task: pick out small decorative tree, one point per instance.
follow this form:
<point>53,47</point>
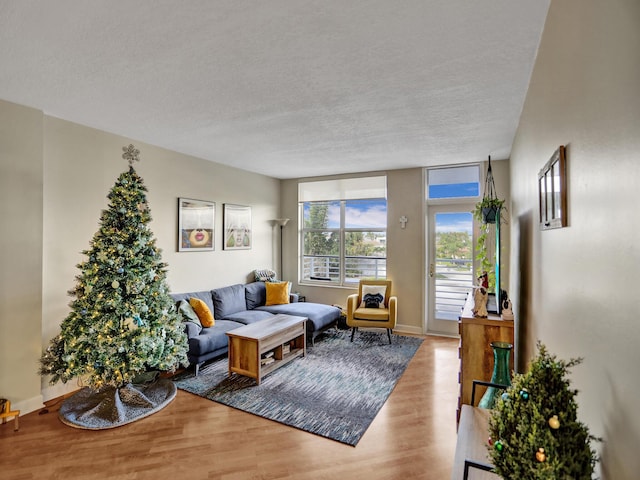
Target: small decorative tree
<point>534,431</point>
<point>123,322</point>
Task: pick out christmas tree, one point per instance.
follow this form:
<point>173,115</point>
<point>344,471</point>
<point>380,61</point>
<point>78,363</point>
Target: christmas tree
<point>534,431</point>
<point>123,322</point>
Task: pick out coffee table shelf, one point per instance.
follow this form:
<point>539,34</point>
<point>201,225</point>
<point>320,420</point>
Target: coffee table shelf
<point>248,345</point>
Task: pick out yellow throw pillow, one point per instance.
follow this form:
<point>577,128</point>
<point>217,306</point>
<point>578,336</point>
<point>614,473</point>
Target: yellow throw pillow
<point>277,293</point>
<point>202,310</point>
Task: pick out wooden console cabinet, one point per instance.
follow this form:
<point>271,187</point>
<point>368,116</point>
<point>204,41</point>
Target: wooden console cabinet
<point>475,352</point>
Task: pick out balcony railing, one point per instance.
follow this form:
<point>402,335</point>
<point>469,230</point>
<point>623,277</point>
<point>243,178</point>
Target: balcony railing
<point>453,281</point>
<point>327,268</point>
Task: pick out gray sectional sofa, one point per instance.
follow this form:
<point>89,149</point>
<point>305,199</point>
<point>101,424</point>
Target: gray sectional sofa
<point>238,305</point>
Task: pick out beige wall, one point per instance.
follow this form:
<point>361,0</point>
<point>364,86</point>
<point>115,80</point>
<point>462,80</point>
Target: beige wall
<point>56,176</point>
<point>406,248</point>
<point>20,254</point>
<point>577,286</point>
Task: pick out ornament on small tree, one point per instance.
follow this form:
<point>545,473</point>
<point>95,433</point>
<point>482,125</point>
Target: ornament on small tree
<point>123,323</point>
<point>554,422</point>
<point>528,418</point>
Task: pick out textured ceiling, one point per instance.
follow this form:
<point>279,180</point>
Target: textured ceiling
<point>287,88</point>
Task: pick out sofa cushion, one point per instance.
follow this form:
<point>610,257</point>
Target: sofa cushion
<point>249,316</point>
<point>212,338</point>
<point>204,313</point>
<point>319,314</point>
<point>255,294</point>
<point>204,296</point>
<point>228,300</point>
<point>277,293</point>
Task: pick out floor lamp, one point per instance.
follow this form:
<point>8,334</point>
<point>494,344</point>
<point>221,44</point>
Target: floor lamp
<point>282,222</point>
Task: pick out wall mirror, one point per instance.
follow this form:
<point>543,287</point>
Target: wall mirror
<point>552,191</point>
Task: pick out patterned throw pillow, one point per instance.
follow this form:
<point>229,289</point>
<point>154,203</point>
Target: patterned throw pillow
<point>277,293</point>
<point>188,313</point>
<point>373,296</point>
<point>264,275</point>
<point>202,310</point>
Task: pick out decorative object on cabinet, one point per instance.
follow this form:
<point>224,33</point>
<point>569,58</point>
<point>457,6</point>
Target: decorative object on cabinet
<point>237,227</point>
<point>501,373</point>
<point>552,191</point>
<point>196,221</point>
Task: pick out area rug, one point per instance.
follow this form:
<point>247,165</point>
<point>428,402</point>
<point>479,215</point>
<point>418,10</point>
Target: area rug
<point>335,391</point>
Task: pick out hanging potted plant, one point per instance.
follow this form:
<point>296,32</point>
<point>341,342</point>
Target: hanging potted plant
<point>487,212</point>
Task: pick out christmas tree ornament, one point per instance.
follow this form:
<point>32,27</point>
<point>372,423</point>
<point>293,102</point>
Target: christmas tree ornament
<point>115,284</point>
<point>540,455</point>
<point>490,441</point>
<point>554,422</point>
<point>524,394</point>
<point>498,446</point>
<point>505,396</point>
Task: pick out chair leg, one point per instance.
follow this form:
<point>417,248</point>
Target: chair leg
<point>389,335</point>
<point>353,332</point>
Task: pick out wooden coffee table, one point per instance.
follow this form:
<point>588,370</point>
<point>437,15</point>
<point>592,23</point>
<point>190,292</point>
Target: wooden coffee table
<point>259,348</point>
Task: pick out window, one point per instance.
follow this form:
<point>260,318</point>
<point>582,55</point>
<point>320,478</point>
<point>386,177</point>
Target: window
<point>343,239</point>
<point>454,182</point>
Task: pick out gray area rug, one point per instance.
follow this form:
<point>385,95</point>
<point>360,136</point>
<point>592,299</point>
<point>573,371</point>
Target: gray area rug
<point>111,407</point>
<point>335,391</point>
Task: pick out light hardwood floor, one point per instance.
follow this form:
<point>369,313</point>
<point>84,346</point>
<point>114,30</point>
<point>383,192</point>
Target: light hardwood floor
<point>413,436</point>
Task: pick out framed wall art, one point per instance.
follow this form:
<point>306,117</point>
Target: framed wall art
<point>552,191</point>
<point>196,221</point>
<point>237,227</point>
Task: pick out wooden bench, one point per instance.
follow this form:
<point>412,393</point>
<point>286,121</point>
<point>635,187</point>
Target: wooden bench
<point>471,461</point>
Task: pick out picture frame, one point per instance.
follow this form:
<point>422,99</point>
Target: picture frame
<point>552,191</point>
<point>237,227</point>
<point>196,225</point>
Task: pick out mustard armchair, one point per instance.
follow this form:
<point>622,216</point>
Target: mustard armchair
<point>372,314</point>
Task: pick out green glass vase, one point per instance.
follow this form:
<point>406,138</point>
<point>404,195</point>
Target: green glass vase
<point>501,373</point>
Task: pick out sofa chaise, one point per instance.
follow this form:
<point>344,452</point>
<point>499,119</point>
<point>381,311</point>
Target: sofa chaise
<point>243,304</point>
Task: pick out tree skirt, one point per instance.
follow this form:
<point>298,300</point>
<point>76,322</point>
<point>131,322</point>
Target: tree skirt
<point>113,407</point>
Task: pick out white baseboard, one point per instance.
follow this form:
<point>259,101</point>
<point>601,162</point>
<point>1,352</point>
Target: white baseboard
<point>411,329</point>
<point>29,405</point>
<point>58,390</point>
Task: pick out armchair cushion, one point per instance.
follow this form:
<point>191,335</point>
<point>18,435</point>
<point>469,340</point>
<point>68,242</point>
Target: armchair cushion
<point>376,314</point>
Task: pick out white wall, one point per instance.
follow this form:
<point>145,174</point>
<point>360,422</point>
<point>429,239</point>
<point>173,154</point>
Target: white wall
<point>577,286</point>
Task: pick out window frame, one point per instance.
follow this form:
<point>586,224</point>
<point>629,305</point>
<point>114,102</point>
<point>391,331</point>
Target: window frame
<point>342,280</point>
